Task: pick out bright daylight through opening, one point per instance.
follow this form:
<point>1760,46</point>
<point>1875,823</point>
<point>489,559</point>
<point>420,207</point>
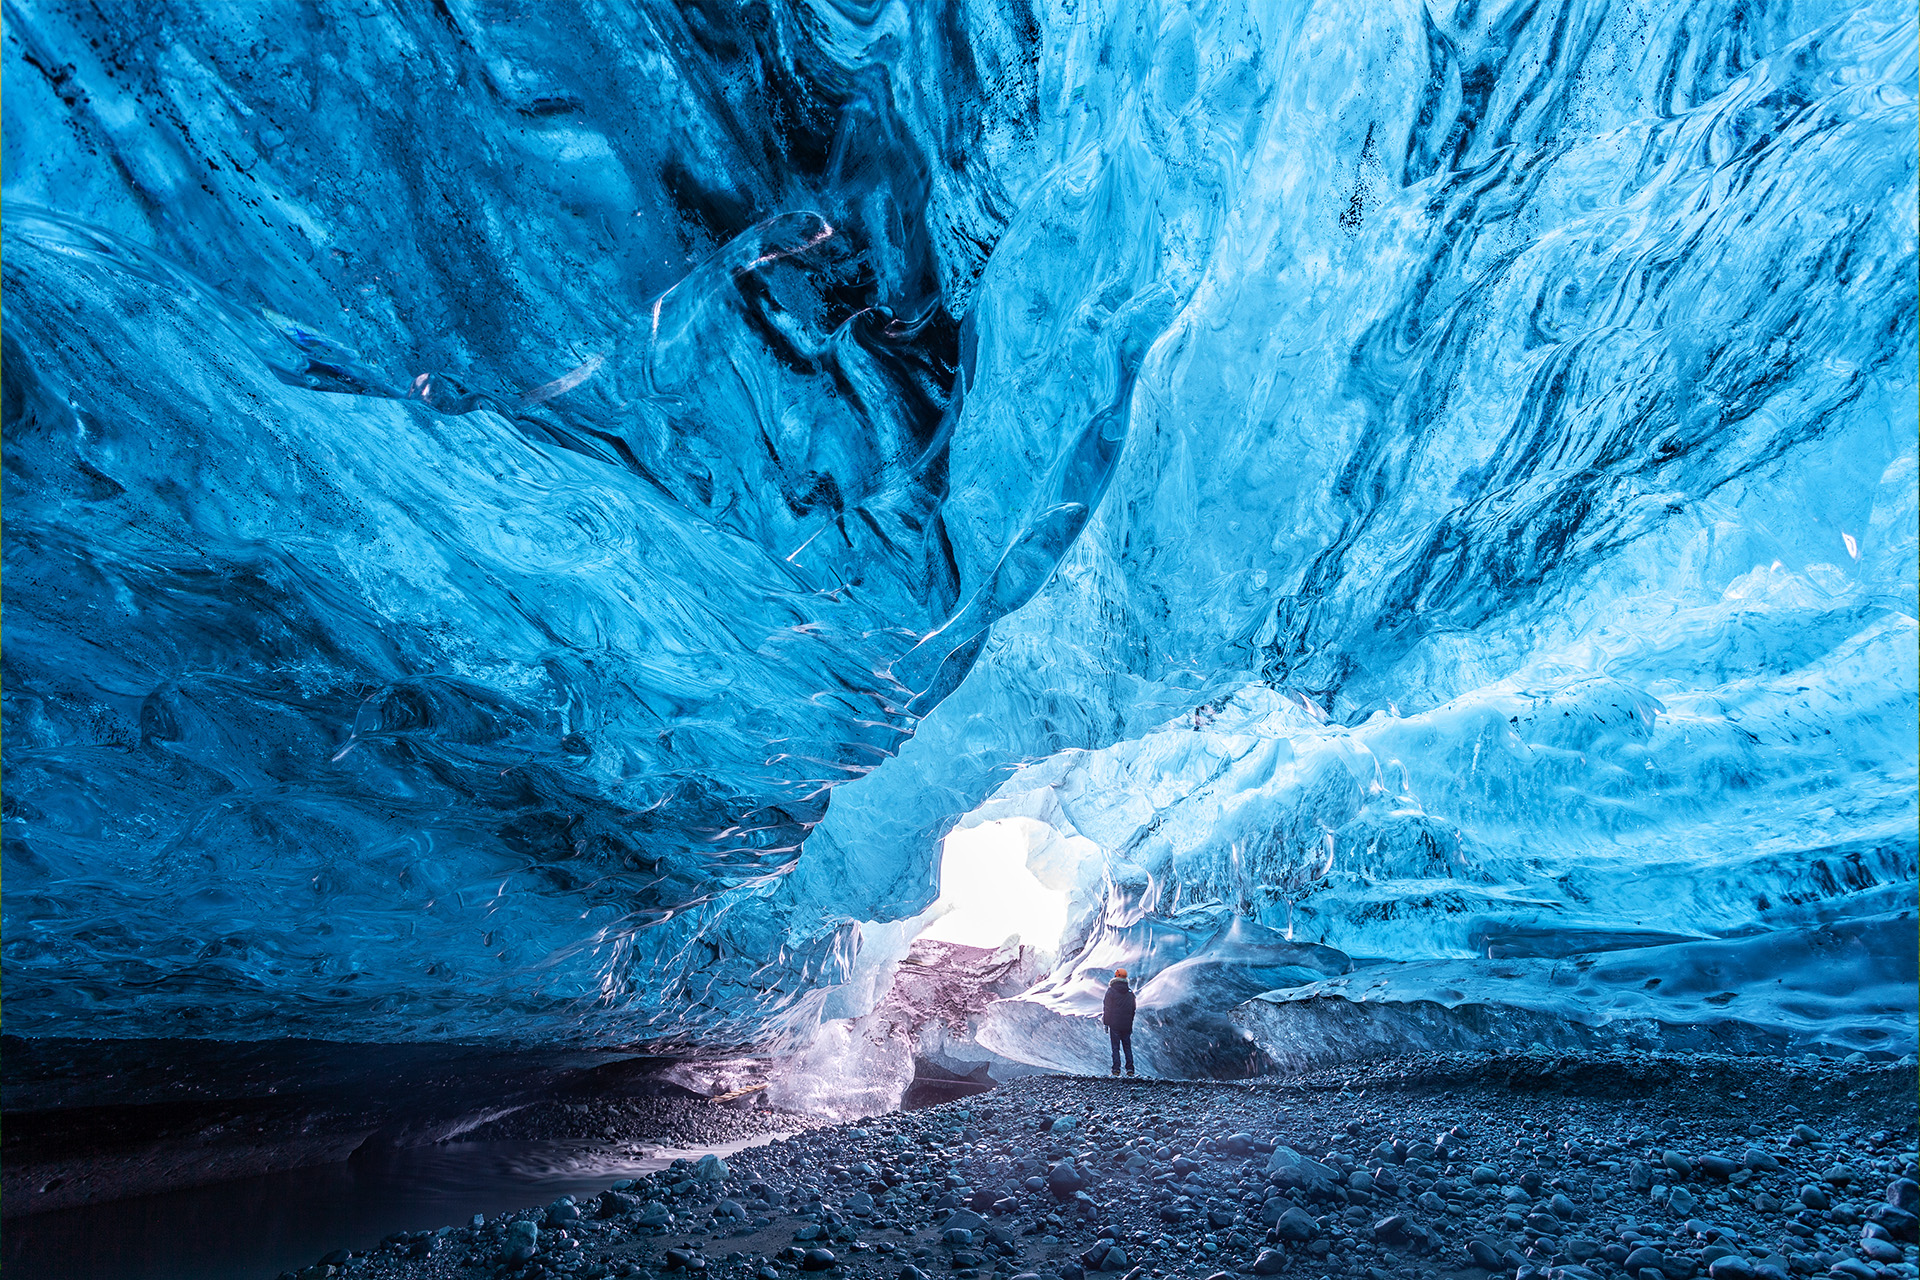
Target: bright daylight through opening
<point>990,895</point>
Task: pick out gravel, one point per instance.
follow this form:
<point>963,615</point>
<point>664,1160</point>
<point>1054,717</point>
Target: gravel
<point>666,1120</point>
<point>1527,1166</point>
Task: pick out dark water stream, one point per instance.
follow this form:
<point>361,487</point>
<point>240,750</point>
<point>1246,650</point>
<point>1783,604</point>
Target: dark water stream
<point>255,1228</point>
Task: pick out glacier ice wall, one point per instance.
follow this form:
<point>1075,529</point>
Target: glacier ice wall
<point>1475,436</point>
<point>479,486</point>
<point>476,485</point>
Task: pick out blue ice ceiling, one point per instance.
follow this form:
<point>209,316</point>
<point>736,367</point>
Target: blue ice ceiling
<point>530,521</point>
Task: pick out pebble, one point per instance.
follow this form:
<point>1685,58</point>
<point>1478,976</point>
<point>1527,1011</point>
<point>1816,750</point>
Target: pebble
<point>1425,1165</point>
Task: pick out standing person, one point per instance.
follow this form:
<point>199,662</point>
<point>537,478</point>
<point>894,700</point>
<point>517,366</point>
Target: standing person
<point>1117,1013</point>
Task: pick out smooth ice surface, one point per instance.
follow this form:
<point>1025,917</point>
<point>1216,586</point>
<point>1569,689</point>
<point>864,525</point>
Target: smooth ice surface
<point>536,523</point>
<point>1845,987</point>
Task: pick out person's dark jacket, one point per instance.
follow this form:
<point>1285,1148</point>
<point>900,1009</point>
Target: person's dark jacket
<point>1117,1012</point>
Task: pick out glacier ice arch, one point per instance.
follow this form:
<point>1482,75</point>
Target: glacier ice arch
<point>533,523</point>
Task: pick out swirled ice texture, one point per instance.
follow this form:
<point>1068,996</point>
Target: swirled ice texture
<point>1434,481</point>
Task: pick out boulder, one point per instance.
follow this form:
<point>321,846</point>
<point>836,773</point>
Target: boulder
<point>965,1219</point>
<point>612,1204</point>
<point>1643,1257</point>
<point>1899,1224</point>
<point>1483,1255</point>
<point>1289,1168</point>
<point>1295,1226</point>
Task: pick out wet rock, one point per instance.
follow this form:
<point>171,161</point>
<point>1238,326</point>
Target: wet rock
<point>1760,1162</point>
<point>1719,1166</point>
<point>1814,1197</point>
<point>1676,1162</point>
<point>1904,1193</point>
<point>711,1168</point>
<point>817,1260</point>
<point>1269,1262</point>
<point>1879,1250</point>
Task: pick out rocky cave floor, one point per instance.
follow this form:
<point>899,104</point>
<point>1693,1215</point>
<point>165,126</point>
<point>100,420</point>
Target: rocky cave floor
<point>668,1120</point>
<point>1562,1167</point>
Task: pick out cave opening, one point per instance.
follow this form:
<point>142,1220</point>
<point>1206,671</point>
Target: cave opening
<point>988,894</point>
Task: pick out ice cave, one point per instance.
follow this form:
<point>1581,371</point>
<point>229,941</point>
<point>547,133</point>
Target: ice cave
<point>782,542</point>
